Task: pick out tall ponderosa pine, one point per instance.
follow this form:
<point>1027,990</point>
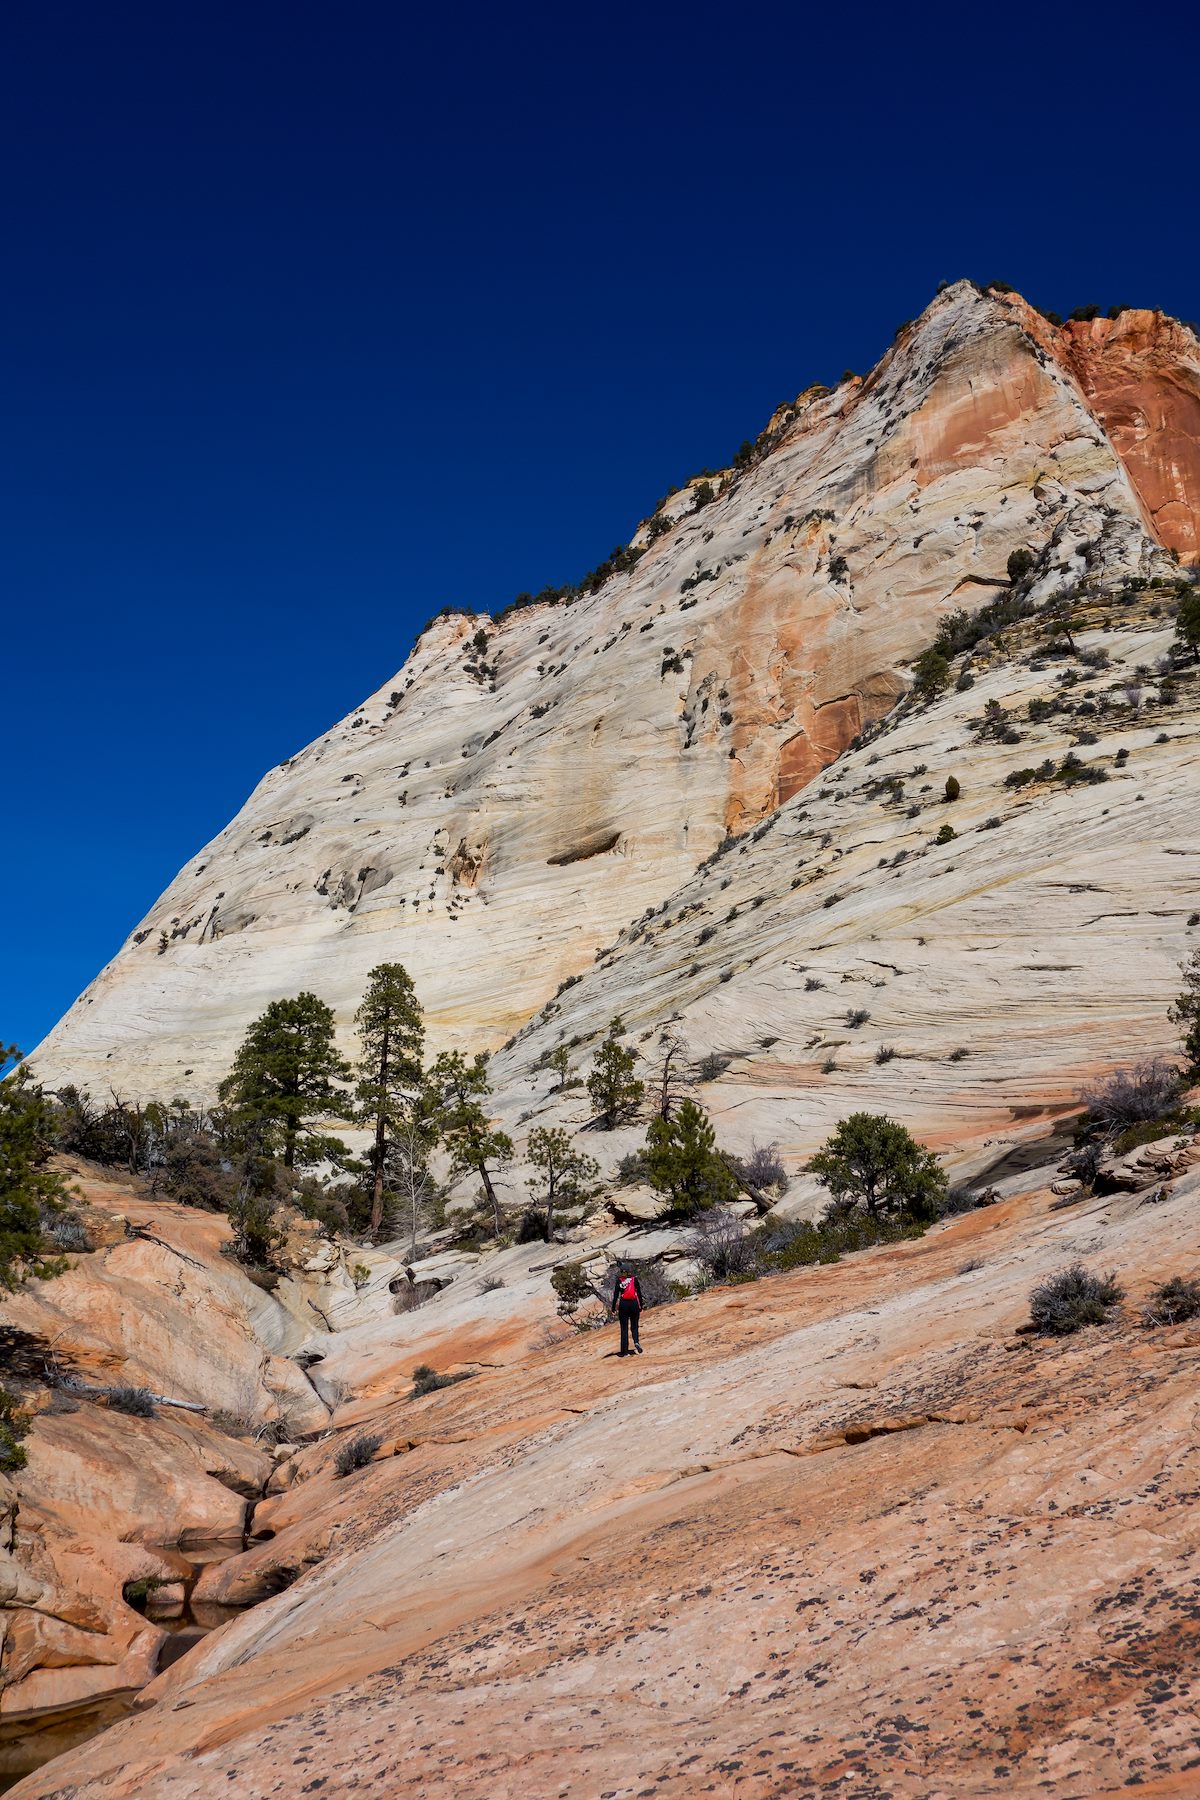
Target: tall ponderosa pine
<point>288,1072</point>
<point>391,1032</point>
<point>615,1090</point>
<point>457,1089</point>
<point>683,1162</point>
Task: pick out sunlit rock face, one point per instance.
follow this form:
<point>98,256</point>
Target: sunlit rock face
<point>1140,374</point>
<point>505,804</point>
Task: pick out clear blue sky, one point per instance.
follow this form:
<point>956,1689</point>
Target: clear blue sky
<point>317,318</point>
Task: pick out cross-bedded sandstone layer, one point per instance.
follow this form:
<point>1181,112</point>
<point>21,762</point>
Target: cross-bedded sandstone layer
<point>843,1528</point>
<point>504,806</point>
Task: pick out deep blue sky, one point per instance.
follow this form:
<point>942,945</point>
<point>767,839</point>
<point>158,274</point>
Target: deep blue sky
<point>316,318</point>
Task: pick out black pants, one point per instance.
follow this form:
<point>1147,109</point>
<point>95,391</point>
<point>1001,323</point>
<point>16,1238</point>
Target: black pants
<point>629,1312</point>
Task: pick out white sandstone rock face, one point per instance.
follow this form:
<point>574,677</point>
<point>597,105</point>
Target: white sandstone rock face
<point>995,972</point>
<point>500,809</point>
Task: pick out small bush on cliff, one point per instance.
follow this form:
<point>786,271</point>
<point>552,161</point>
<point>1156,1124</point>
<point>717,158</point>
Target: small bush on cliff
<point>356,1454</point>
<point>1176,1300</point>
<point>632,1170</point>
<point>1020,562</point>
<point>953,787</point>
<point>762,1169</point>
<point>14,1425</point>
<point>722,1245</point>
<point>426,1380</point>
<point>1072,1299</point>
<point>1147,1091</point>
<point>138,1402</point>
<point>572,1289</point>
<point>799,1244</point>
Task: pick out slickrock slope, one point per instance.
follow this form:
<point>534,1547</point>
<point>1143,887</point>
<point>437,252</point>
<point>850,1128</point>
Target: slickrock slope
<point>840,1530</point>
<point>107,1499</point>
<point>1000,969</point>
<point>499,810</point>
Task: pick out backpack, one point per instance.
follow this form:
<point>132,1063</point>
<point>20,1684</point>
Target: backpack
<point>629,1287</point>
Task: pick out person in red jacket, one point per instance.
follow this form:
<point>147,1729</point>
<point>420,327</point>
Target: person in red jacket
<point>627,1304</point>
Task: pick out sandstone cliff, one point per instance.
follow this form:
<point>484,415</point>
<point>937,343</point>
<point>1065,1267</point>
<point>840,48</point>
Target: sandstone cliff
<point>508,802</point>
<point>829,1517</point>
<point>842,1525</point>
<point>996,970</point>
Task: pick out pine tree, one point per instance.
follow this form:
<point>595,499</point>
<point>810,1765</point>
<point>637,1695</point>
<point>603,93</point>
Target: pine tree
<point>286,1073</point>
<point>615,1090</point>
<point>1187,623</point>
<point>1186,1010</point>
<point>931,674</point>
<point>563,1171</point>
<point>873,1161</point>
<point>391,1032</point>
<point>456,1089</point>
<point>28,1185</point>
<point>683,1162</point>
<point>28,1189</point>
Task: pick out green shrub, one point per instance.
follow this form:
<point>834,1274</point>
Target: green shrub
<point>426,1380</point>
<point>1151,1130</point>
<point>615,1090</point>
<point>14,1425</point>
<point>1073,772</point>
<point>1186,1010</point>
<point>800,1244</point>
<point>946,835</point>
<point>953,787</point>
<point>357,1453</point>
<point>683,1162</point>
<point>931,674</point>
<point>872,1161</point>
<point>1020,562</point>
<point>1176,1300</point>
<point>571,1287</point>
<point>1072,1299</point>
<point>1187,623</point>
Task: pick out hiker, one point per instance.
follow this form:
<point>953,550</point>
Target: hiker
<point>627,1304</point>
